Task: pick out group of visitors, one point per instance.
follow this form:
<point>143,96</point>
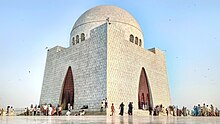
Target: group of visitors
<point>175,111</point>
<point>50,110</point>
<point>9,111</point>
<point>45,109</point>
<point>157,109</point>
<point>121,107</point>
<point>205,110</point>
<point>32,110</point>
<point>199,110</point>
<point>171,110</point>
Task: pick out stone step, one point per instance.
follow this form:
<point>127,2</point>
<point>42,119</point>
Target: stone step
<point>87,112</point>
<point>141,113</point>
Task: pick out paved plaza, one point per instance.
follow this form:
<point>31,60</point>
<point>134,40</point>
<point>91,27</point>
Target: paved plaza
<point>106,119</point>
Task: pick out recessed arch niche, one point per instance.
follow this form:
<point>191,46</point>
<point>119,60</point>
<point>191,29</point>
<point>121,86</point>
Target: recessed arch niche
<point>67,95</point>
<point>144,92</point>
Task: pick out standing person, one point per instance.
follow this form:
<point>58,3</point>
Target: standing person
<point>212,110</point>
<point>8,109</point>
<point>50,110</point>
<point>69,107</point>
<point>45,109</point>
<point>203,110</point>
<point>150,110</point>
<point>216,111</point>
<point>195,110</point>
<point>59,110</point>
<point>207,110</point>
<point>142,103</point>
<point>25,111</point>
<point>112,109</point>
<point>31,109</point>
<point>38,110</point>
<point>199,110</point>
<point>35,109</point>
<point>130,107</point>
<point>177,111</point>
<point>2,111</point>
<point>157,110</point>
<point>42,109</point>
<point>167,111</point>
<point>54,112</point>
<point>68,112</point>
<point>121,107</point>
<point>106,103</point>
<point>183,111</point>
<point>174,110</point>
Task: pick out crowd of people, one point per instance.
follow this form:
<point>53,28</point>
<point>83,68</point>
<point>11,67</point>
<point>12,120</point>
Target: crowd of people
<point>176,111</point>
<point>45,109</point>
<point>50,110</point>
<point>205,110</point>
<point>9,111</point>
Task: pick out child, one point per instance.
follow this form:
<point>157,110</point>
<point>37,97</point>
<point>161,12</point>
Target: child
<point>112,109</point>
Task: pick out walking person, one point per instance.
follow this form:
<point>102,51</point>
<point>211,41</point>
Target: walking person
<point>121,107</point>
<point>130,107</point>
<point>112,109</point>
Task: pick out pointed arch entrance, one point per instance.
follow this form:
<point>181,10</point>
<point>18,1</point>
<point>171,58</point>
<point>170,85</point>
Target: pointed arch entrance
<point>144,94</point>
<point>68,90</point>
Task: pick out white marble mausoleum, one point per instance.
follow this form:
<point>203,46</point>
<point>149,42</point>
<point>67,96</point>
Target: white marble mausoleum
<point>106,58</point>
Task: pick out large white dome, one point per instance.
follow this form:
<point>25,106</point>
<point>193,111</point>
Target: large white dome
<point>101,13</point>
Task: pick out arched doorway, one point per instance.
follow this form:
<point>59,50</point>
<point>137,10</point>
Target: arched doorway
<point>144,94</point>
<point>68,90</point>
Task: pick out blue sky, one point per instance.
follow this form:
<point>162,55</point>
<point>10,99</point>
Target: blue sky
<point>188,32</point>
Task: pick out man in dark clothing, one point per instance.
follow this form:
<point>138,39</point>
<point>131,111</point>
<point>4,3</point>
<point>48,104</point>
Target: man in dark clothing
<point>121,107</point>
<point>130,107</point>
<point>150,110</point>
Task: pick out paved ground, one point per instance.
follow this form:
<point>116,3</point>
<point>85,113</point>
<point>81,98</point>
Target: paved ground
<point>104,119</point>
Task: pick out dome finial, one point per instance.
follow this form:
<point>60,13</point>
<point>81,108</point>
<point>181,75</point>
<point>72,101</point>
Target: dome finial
<point>108,20</point>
